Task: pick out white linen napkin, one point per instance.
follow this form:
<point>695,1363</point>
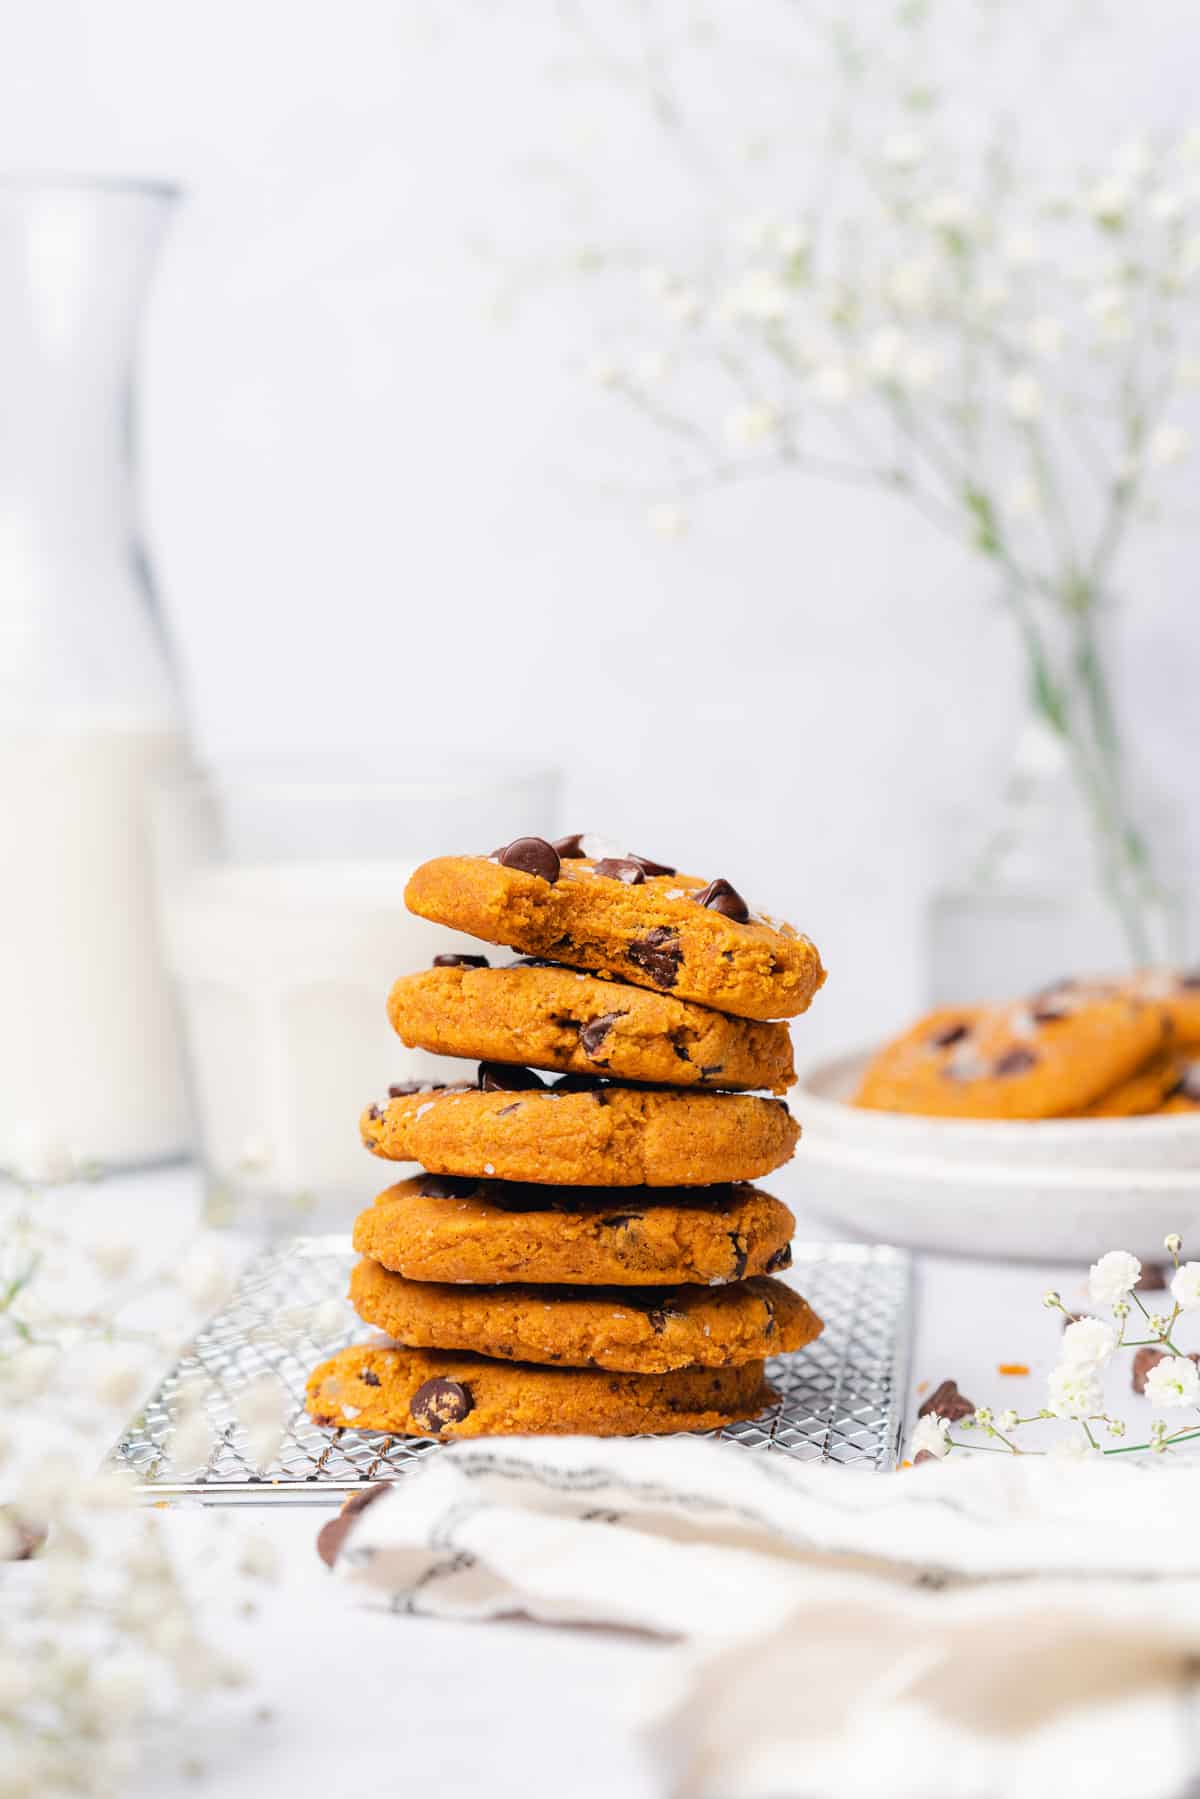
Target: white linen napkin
<point>986,1627</point>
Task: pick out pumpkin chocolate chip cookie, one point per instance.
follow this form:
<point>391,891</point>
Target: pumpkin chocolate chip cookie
<point>558,1018</point>
<point>489,1233</point>
<point>624,916</point>
<point>1184,1092</point>
<point>581,1132</point>
<point>1145,1091</point>
<point>1047,1057</point>
<point>1177,992</point>
<point>639,1330</point>
<point>445,1394</point>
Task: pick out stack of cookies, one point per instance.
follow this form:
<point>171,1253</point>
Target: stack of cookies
<point>1081,1048</point>
<point>584,1250</point>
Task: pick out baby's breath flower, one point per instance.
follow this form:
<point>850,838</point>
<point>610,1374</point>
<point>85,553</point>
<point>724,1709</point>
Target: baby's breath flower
<point>1115,1427</point>
<point>1072,1449</point>
<point>1173,1243</point>
<point>1088,1343</point>
<point>1008,1420</point>
<point>1173,1382</point>
<point>930,1435</point>
<point>1074,1391</point>
<point>1023,397</point>
<point>983,1416</point>
<point>1121,1309</point>
<point>1185,1287</point>
<point>1051,1299</point>
<point>1113,1277</point>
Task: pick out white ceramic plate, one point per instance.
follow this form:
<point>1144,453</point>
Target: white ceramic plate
<point>1066,1188</point>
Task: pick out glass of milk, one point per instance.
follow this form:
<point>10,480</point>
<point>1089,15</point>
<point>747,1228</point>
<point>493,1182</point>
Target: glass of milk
<point>282,888</point>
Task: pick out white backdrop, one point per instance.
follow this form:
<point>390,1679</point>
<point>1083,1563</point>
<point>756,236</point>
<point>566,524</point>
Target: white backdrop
<point>384,516</point>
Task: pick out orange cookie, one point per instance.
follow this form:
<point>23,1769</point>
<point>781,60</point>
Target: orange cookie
<point>1045,1058</point>
<point>624,916</point>
<point>635,1330</point>
<point>1184,1092</point>
<point>1178,993</point>
<point>445,1394</point>
<point>1143,1092</point>
<point>439,1228</point>
<point>543,1016</point>
<point>581,1131</point>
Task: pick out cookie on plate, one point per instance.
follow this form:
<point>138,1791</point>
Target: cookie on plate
<point>624,916</point>
<point>445,1394</point>
<point>544,1016</point>
<point>435,1228</point>
<point>1047,1057</point>
<point>581,1132</point>
<point>1145,1091</point>
<point>638,1330</point>
<point>1177,991</point>
<point>1183,1094</point>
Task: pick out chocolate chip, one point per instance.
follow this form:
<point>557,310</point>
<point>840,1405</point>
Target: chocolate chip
<point>650,867</point>
<point>657,954</point>
<point>593,1034</point>
<point>331,1536</point>
<point>1046,1012</point>
<point>570,848</point>
<point>369,1378</point>
<point>1152,1279</point>
<point>621,868</point>
<point>1191,979</point>
<point>447,1186</point>
<point>532,856</point>
<point>534,962</point>
<point>506,1111</point>
<point>658,1320</point>
<point>374,1114</point>
<point>949,1034</point>
<point>622,1219</point>
<point>578,1083</point>
<point>1014,1061</point>
<point>947,1402</point>
<point>498,1077</point>
<point>440,1402</point>
<point>782,1258</point>
<point>923,1455</point>
<point>707,1069</point>
<point>720,897</point>
<point>681,1051</point>
<point>451,960</point>
<point>740,1255</point>
<point>1146,1359</point>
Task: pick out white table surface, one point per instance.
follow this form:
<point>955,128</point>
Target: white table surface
<point>346,1700</point>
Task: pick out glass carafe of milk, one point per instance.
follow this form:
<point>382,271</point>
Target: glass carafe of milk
<point>89,717</point>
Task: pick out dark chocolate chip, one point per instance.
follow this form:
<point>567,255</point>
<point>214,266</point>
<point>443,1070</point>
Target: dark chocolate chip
<point>621,868</point>
<point>593,1034</point>
<point>658,1320</point>
<point>720,897</point>
<point>570,848</point>
<point>331,1536</point>
<point>782,1258</point>
<point>1015,1061</point>
<point>532,856</point>
<point>1191,979</point>
<point>447,1186</point>
<point>1046,1012</point>
<point>741,1255</point>
<point>623,1219</point>
<point>578,1083</point>
<point>374,1113</point>
<point>534,962</point>
<point>710,1068</point>
<point>440,1402</point>
<point>650,867</point>
<point>681,1051</point>
<point>1152,1279</point>
<point>657,954</point>
<point>947,1402</point>
<point>949,1034</point>
<point>498,1077</point>
<point>451,960</point>
<point>369,1378</point>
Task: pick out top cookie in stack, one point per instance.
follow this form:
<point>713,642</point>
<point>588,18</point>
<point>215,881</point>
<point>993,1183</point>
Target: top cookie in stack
<point>586,1216</point>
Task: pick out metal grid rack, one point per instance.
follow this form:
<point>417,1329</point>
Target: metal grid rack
<point>841,1399</point>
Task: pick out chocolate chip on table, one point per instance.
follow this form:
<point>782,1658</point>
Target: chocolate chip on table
<point>782,1258</point>
<point>333,1534</point>
<point>657,954</point>
<point>1014,1061</point>
<point>498,1077</point>
<point>447,1186</point>
<point>621,868</point>
<point>1152,1279</point>
<point>570,848</point>
<point>440,1402</point>
<point>532,856</point>
<point>720,897</point>
<point>594,1034</point>
<point>947,1402</point>
<point>453,960</point>
<point>950,1034</point>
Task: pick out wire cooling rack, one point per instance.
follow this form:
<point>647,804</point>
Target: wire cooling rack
<point>840,1400</point>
